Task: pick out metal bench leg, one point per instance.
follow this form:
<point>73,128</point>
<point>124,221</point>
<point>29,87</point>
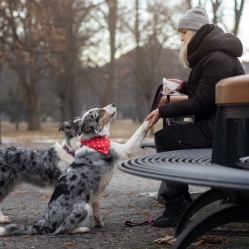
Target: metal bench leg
<point>203,200</point>
<point>223,214</point>
<point>225,138</point>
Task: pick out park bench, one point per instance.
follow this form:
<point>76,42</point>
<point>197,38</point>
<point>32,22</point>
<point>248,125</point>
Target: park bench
<point>224,168</point>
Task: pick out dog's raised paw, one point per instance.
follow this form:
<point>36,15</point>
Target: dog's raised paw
<point>145,125</point>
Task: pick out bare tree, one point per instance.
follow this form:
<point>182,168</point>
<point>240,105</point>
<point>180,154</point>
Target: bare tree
<point>218,11</point>
<point>150,36</point>
<point>216,4</point>
<point>66,18</point>
<point>238,9</point>
<point>20,39</point>
<point>1,66</point>
<point>46,39</point>
<point>111,18</point>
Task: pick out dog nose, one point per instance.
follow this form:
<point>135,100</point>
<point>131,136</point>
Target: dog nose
<point>113,105</point>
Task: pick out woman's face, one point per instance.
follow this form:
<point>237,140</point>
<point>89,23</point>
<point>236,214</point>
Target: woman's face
<point>182,34</point>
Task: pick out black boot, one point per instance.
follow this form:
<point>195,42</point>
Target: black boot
<point>188,197</point>
<point>176,205</point>
<point>170,220</point>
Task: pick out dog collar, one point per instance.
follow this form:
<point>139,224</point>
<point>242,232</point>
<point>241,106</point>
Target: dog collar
<point>68,150</point>
<point>101,144</point>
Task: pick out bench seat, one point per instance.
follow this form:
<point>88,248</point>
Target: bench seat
<point>191,166</point>
<point>219,168</point>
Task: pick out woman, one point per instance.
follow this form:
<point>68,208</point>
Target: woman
<point>212,55</point>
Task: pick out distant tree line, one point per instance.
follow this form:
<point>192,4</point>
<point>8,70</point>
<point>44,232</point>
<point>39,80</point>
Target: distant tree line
<point>59,58</point>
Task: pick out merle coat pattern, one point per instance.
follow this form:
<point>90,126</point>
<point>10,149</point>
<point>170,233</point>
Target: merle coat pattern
<point>75,197</point>
<point>41,168</point>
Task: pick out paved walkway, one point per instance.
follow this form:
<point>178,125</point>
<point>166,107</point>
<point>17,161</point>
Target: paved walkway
<point>126,198</point>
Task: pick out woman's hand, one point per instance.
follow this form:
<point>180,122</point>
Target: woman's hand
<point>153,117</point>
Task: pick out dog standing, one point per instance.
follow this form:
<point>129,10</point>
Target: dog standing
<point>76,194</point>
<point>41,168</point>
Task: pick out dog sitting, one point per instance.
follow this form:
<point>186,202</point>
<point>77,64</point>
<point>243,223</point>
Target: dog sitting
<point>41,168</point>
<point>76,194</point>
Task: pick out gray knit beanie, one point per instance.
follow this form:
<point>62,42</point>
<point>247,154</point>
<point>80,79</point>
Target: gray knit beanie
<point>193,19</point>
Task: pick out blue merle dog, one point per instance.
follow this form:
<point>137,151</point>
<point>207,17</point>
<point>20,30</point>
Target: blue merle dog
<point>41,168</point>
<point>75,197</point>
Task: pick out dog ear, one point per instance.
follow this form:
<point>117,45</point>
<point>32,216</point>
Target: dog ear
<point>65,126</point>
<point>89,125</point>
<point>71,128</point>
<point>77,125</point>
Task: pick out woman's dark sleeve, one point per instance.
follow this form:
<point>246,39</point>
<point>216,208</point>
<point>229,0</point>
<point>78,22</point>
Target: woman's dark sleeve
<point>183,87</point>
<point>213,71</point>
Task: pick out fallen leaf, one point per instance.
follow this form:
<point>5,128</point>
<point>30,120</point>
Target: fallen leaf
<point>166,240</point>
<point>144,212</point>
<point>197,243</point>
<point>210,240</point>
<point>17,192</point>
<point>129,193</point>
<point>27,236</point>
<point>105,212</point>
<point>158,204</point>
<point>67,244</point>
<point>46,196</point>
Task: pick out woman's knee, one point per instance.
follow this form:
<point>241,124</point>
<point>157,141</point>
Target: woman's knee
<point>168,138</point>
<point>159,144</point>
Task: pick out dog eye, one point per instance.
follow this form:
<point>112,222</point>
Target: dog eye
<point>101,111</point>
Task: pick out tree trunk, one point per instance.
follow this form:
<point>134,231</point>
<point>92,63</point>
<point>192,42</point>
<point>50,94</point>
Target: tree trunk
<point>112,25</point>
<point>238,13</point>
<point>30,99</point>
<point>62,93</point>
<point>138,62</point>
<point>1,66</point>
<point>0,128</point>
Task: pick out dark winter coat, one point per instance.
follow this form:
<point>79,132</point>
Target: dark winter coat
<point>212,56</point>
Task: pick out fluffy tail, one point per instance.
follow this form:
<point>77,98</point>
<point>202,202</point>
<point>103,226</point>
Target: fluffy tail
<point>15,229</point>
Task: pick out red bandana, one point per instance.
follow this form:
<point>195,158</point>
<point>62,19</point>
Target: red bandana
<point>101,144</point>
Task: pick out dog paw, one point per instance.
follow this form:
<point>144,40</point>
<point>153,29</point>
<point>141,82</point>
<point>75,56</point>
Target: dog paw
<point>84,230</point>
<point>4,220</point>
<point>80,230</point>
<point>145,125</point>
<point>99,224</point>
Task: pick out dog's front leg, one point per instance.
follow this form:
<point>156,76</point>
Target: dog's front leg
<point>96,214</point>
<point>125,150</point>
<point>137,137</point>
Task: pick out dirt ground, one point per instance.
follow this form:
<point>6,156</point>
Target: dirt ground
<point>127,197</point>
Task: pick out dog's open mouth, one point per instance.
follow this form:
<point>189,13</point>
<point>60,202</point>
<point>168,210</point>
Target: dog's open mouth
<point>113,115</point>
